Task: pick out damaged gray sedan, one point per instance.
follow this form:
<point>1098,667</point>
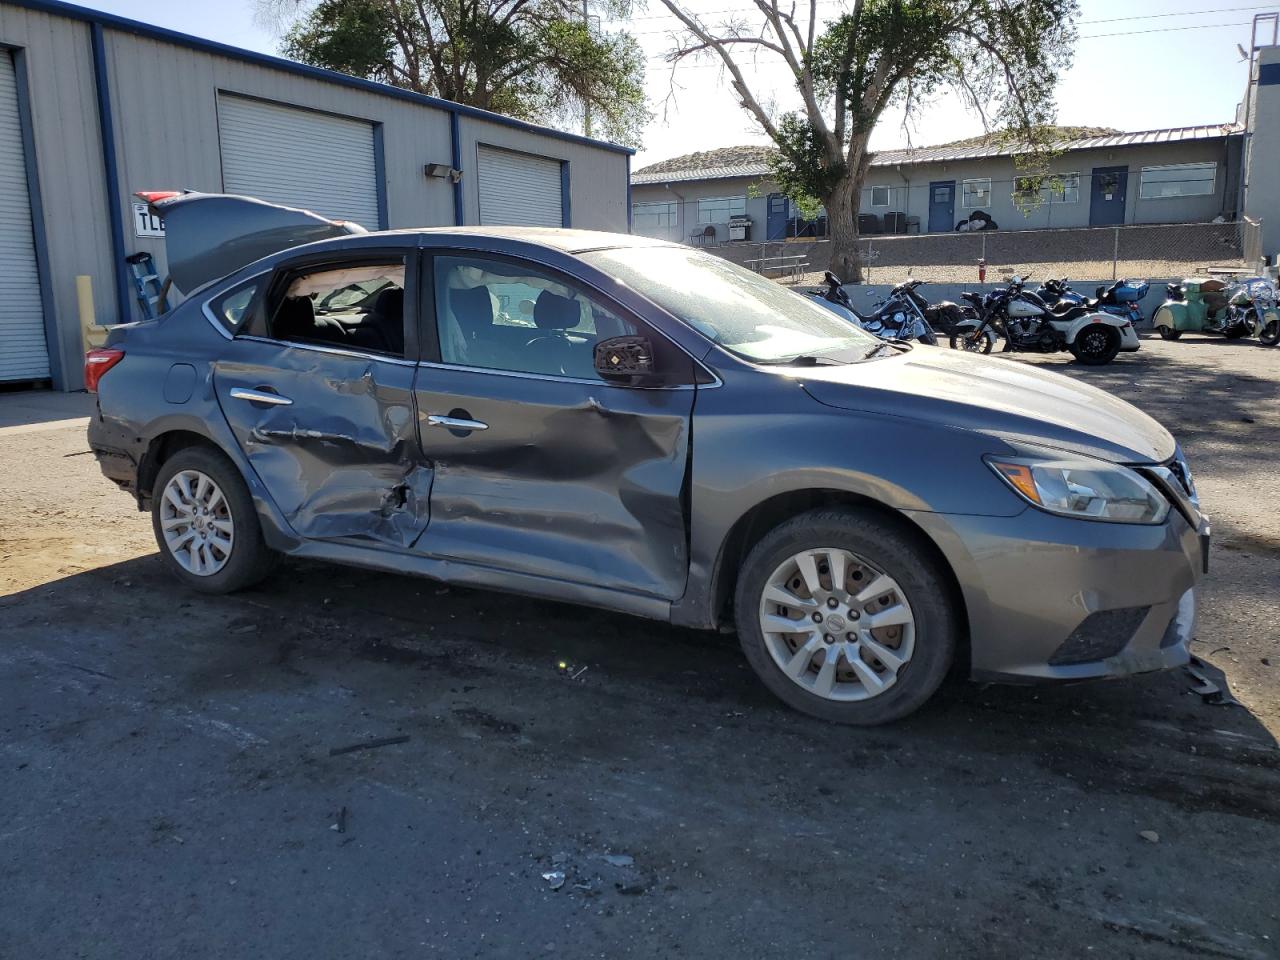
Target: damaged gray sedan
<point>636,425</point>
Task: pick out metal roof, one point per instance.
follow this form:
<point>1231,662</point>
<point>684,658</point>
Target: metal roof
<point>943,154</point>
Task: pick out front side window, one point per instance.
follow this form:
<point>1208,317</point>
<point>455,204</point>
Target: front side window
<point>745,313</point>
<point>508,316</point>
<point>1178,180</point>
<point>975,193</point>
<point>720,209</point>
<point>653,215</point>
<point>881,196</point>
<point>359,307</point>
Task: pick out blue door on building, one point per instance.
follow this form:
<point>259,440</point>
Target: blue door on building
<point>1107,194</point>
<point>776,227</point>
<point>942,206</point>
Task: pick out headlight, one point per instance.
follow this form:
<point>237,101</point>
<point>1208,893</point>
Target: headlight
<point>1088,489</point>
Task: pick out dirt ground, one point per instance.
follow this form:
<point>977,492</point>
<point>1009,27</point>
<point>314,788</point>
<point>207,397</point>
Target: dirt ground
<point>168,786</point>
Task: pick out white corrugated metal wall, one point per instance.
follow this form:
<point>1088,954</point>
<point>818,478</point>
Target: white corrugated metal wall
<point>300,158</point>
<point>519,189</point>
<point>24,354</point>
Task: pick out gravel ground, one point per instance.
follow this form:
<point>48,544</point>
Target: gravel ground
<point>168,788</point>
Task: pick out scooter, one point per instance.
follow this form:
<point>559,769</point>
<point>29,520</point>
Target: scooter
<point>1209,306</point>
<point>1029,325</point>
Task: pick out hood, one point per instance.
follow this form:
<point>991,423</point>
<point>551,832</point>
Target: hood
<point>210,235</point>
<point>1003,398</point>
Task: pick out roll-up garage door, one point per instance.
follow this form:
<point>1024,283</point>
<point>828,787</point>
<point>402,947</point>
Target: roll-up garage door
<point>519,189</point>
<point>299,158</point>
<point>24,354</point>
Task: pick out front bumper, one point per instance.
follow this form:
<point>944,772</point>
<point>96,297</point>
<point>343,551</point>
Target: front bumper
<point>1052,598</point>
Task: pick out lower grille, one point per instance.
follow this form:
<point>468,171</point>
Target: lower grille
<point>1099,635</point>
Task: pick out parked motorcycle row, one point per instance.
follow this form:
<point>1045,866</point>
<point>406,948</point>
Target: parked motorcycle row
<point>1053,317</point>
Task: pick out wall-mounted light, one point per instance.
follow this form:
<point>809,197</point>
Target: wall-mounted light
<point>442,171</point>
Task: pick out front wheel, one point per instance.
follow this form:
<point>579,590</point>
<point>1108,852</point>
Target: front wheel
<point>845,617</point>
<point>972,342</point>
<point>205,523</point>
<point>1096,345</point>
<point>1270,333</point>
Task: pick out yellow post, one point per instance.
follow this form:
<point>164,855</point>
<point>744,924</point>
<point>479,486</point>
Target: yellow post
<point>91,335</point>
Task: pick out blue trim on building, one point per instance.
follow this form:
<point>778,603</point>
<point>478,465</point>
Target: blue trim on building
<point>380,174</point>
<point>1268,74</point>
<point>106,124</point>
<point>39,238</point>
<point>630,228</point>
<point>98,18</point>
<point>566,199</point>
<point>455,141</point>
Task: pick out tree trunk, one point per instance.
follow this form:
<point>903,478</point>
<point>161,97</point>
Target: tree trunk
<point>842,222</point>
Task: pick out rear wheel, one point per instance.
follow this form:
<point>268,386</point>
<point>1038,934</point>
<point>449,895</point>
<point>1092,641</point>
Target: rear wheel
<point>845,618</point>
<point>1270,334</point>
<point>1168,333</point>
<point>205,523</point>
<point>1096,344</point>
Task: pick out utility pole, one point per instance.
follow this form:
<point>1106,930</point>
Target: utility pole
<point>586,106</point>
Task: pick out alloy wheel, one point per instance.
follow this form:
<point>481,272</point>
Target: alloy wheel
<point>836,625</point>
<point>197,524</point>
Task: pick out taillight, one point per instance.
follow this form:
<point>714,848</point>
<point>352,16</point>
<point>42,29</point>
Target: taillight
<point>97,362</point>
<point>151,196</point>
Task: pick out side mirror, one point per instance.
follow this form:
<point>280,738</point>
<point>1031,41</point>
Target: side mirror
<point>625,360</point>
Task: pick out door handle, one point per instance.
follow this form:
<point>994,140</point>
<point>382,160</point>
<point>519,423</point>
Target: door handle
<point>454,423</point>
<point>260,396</point>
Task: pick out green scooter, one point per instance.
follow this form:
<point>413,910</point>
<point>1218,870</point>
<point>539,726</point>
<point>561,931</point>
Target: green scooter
<point>1208,306</point>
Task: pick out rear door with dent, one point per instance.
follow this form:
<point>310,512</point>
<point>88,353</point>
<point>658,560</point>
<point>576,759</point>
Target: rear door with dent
<point>316,382</point>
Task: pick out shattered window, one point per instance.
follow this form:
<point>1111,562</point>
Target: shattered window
<point>359,307</point>
<point>502,316</point>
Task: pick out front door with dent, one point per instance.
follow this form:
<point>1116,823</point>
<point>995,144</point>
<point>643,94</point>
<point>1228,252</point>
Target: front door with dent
<point>540,466</point>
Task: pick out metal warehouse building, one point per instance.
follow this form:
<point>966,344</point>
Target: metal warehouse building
<point>94,107</point>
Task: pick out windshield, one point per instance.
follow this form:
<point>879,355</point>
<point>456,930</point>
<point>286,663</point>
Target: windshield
<point>743,312</point>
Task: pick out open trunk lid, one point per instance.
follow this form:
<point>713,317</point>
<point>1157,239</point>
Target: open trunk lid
<point>210,235</point>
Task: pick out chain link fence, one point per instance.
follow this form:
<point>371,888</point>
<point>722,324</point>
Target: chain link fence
<point>1085,254</point>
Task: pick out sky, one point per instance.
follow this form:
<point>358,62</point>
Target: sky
<point>1139,65</point>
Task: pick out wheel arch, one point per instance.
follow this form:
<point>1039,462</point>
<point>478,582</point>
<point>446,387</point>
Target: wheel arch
<point>161,448</point>
<point>769,513</point>
<point>1089,319</point>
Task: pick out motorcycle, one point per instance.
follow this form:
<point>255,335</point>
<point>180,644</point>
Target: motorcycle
<point>1029,325</point>
<point>1120,299</point>
<point>1248,308</point>
<point>896,317</point>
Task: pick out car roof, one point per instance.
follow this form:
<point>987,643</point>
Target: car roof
<point>566,241</point>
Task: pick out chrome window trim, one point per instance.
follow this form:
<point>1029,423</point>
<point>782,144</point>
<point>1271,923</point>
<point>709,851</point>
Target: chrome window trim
<point>593,382</point>
<point>337,351</point>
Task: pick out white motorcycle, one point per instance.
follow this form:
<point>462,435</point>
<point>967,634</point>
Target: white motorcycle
<point>1030,325</point>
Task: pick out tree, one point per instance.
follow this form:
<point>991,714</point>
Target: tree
<point>538,60</point>
<point>1001,56</point>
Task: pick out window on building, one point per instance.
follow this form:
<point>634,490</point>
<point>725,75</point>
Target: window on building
<point>1054,188</point>
<point>654,215</point>
<point>975,193</point>
<point>1178,180</point>
<point>881,196</point>
<point>720,209</point>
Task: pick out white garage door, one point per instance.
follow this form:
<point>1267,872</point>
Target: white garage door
<point>24,355</point>
<point>299,158</point>
<point>519,189</point>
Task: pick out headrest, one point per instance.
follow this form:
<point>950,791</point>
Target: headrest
<point>554,312</point>
<point>295,317</point>
<point>473,308</point>
<point>390,303</point>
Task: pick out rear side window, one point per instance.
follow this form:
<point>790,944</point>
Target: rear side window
<point>232,309</point>
<point>358,307</point>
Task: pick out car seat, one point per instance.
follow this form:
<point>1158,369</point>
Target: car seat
<point>552,351</point>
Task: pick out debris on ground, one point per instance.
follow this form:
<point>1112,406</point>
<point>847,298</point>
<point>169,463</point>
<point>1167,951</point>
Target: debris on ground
<point>569,671</point>
<point>340,825</point>
<point>1209,683</point>
<point>368,745</point>
<point>618,860</point>
<point>1149,835</point>
<point>555,878</point>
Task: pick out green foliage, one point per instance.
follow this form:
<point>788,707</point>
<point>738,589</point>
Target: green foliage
<point>531,59</point>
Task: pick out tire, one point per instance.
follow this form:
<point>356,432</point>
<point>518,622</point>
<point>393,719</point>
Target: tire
<point>871,549</point>
<point>1096,345</point>
<point>1270,334</point>
<point>960,342</point>
<point>245,560</point>
<point>1168,333</point>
